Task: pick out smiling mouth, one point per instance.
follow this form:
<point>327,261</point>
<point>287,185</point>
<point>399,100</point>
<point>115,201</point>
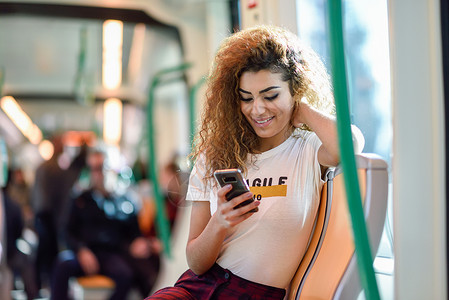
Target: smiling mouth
<point>263,121</point>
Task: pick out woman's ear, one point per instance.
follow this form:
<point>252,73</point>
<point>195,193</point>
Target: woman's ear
<point>294,113</point>
<point>296,99</point>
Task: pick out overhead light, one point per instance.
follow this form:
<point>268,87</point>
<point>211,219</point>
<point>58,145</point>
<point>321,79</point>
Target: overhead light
<point>21,119</point>
<point>34,135</point>
<point>112,53</point>
<point>112,121</point>
<point>46,149</point>
<point>136,52</point>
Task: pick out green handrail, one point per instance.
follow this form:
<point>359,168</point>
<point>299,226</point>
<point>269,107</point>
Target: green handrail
<point>163,228</point>
<point>362,247</point>
<point>2,80</point>
<point>79,89</point>
<point>192,105</point>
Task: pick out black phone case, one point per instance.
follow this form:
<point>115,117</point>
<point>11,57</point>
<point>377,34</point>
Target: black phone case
<point>235,178</point>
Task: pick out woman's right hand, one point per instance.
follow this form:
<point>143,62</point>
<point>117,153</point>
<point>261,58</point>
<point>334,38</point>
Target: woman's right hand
<point>227,215</point>
<point>207,232</point>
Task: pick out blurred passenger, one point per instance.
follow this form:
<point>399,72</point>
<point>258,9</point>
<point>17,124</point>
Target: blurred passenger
<point>19,191</point>
<point>103,237</point>
<point>5,272</point>
<point>49,198</point>
<point>172,183</point>
<point>18,254</point>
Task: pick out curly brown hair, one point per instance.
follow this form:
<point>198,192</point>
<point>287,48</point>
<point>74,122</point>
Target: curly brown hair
<point>225,137</point>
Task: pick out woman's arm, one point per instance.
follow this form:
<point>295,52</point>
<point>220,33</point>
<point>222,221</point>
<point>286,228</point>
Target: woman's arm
<point>325,128</point>
<point>205,239</point>
<point>207,232</point>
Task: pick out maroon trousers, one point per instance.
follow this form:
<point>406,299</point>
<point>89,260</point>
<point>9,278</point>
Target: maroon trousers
<point>217,283</point>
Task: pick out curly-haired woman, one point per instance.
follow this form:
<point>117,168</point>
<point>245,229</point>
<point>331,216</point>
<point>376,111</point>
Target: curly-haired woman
<point>269,112</point>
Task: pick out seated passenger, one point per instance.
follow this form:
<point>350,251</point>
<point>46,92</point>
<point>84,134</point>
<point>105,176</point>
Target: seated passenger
<point>103,237</point>
<point>268,113</point>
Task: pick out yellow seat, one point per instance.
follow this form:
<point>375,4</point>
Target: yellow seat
<point>328,269</point>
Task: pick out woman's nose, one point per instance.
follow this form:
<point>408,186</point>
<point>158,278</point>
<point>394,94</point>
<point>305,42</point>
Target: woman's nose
<point>258,106</point>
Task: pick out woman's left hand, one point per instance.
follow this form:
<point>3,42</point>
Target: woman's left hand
<point>324,126</point>
<point>298,115</point>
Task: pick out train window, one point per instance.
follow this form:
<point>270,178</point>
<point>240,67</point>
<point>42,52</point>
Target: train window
<point>367,54</point>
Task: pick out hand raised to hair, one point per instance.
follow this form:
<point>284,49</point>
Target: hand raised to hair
<point>298,117</point>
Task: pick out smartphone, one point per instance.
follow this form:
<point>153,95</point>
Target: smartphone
<point>233,177</point>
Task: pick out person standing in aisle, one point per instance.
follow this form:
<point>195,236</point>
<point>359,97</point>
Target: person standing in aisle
<point>49,197</point>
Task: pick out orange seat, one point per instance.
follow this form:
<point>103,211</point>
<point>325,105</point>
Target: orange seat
<point>328,269</point>
<point>92,287</point>
<point>96,281</point>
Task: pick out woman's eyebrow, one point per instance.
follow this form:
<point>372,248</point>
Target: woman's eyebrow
<point>243,91</point>
<point>261,91</point>
<point>268,89</point>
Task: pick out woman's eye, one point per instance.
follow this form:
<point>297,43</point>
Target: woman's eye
<point>245,99</point>
<point>271,97</point>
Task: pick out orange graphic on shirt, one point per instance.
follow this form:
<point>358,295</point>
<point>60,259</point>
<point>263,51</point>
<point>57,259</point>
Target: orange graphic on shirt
<point>260,192</point>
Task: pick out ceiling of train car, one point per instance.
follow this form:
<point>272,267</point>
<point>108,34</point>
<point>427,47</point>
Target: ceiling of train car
<point>45,52</point>
<point>51,59</point>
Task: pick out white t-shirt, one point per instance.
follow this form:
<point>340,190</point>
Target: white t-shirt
<point>287,180</point>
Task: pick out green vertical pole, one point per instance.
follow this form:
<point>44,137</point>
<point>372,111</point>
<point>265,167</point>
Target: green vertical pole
<point>2,80</point>
<point>80,80</point>
<point>163,226</point>
<point>362,247</point>
<point>192,106</point>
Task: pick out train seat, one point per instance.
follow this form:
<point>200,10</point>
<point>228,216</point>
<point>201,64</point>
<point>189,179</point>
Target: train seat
<point>91,287</point>
<point>329,269</point>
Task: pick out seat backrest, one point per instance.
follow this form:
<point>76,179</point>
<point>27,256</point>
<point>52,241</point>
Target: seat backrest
<point>328,269</point>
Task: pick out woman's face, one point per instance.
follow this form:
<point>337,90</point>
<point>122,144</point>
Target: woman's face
<point>267,104</point>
